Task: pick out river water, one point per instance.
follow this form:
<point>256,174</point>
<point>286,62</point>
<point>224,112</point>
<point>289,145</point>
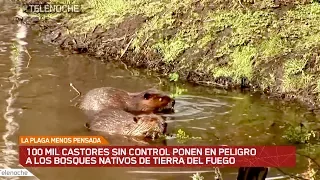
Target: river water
<point>37,99</point>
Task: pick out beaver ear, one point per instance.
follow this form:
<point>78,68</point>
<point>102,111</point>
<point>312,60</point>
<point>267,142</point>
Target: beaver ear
<point>147,96</point>
<point>87,125</point>
<point>136,119</point>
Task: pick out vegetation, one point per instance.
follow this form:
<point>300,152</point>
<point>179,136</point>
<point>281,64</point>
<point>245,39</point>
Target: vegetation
<point>301,134</point>
<point>177,91</point>
<point>182,136</point>
<point>197,176</point>
<point>272,46</point>
<point>298,134</point>
<point>174,77</point>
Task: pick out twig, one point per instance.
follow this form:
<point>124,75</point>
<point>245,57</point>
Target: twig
<point>211,83</point>
<point>145,40</point>
<point>218,174</point>
<point>126,67</point>
<point>160,82</point>
<point>74,88</point>
<point>313,160</point>
<point>76,91</point>
<point>85,37</point>
<point>74,98</point>
<point>277,177</point>
<point>75,41</point>
<point>125,50</point>
<point>114,39</point>
<point>26,51</point>
<point>95,28</point>
<point>241,4</point>
<point>68,32</point>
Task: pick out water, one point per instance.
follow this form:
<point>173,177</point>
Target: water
<point>37,99</point>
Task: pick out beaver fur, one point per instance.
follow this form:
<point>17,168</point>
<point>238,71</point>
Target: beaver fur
<point>148,101</point>
<point>116,121</point>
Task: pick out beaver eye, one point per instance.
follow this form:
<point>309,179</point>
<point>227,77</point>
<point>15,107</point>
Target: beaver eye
<point>135,119</point>
<point>146,96</point>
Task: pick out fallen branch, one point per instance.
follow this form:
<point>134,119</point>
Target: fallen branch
<point>74,88</point>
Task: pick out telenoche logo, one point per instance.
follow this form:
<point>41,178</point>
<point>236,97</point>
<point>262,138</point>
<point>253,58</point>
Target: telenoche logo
<point>52,8</point>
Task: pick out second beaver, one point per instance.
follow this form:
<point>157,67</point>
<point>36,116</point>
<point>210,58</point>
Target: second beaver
<point>115,121</point>
<point>148,101</point>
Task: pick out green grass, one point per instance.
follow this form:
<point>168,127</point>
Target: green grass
<point>101,12</point>
<point>174,76</point>
<point>149,29</point>
<point>240,66</point>
<point>298,134</point>
<point>170,49</point>
<point>272,46</point>
<point>96,12</point>
<point>294,77</point>
<point>216,38</point>
<point>242,62</point>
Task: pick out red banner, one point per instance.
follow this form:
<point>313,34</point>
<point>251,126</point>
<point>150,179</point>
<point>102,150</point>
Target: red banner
<point>149,156</point>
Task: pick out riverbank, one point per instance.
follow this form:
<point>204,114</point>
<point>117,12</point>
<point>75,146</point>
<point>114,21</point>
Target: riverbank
<point>270,47</point>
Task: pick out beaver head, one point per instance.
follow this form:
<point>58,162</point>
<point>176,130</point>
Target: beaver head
<point>148,126</point>
<point>153,101</point>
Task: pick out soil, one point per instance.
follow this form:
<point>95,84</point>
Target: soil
<point>105,45</point>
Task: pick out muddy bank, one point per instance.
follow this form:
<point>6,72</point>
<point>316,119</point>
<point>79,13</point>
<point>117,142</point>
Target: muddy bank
<point>269,47</point>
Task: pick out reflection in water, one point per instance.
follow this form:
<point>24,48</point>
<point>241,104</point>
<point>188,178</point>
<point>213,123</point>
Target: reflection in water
<point>9,152</point>
<point>217,117</point>
<point>197,108</point>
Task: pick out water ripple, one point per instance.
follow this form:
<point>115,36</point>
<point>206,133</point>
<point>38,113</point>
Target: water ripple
<point>197,108</point>
<point>17,48</point>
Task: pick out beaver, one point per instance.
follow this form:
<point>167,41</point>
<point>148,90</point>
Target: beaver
<point>148,101</point>
<point>118,122</point>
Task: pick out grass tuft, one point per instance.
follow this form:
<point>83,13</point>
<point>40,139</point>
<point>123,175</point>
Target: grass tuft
<point>294,77</point>
<point>240,66</point>
<point>251,39</point>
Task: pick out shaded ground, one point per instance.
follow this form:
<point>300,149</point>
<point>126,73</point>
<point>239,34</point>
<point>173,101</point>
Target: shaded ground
<point>266,46</point>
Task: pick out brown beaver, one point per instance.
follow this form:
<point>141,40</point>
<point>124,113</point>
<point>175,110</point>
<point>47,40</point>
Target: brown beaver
<point>114,121</point>
<point>148,101</point>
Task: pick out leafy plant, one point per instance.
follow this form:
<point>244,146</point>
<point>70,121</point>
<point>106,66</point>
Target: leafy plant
<point>197,176</point>
<point>183,137</point>
<point>298,134</point>
<point>174,77</point>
